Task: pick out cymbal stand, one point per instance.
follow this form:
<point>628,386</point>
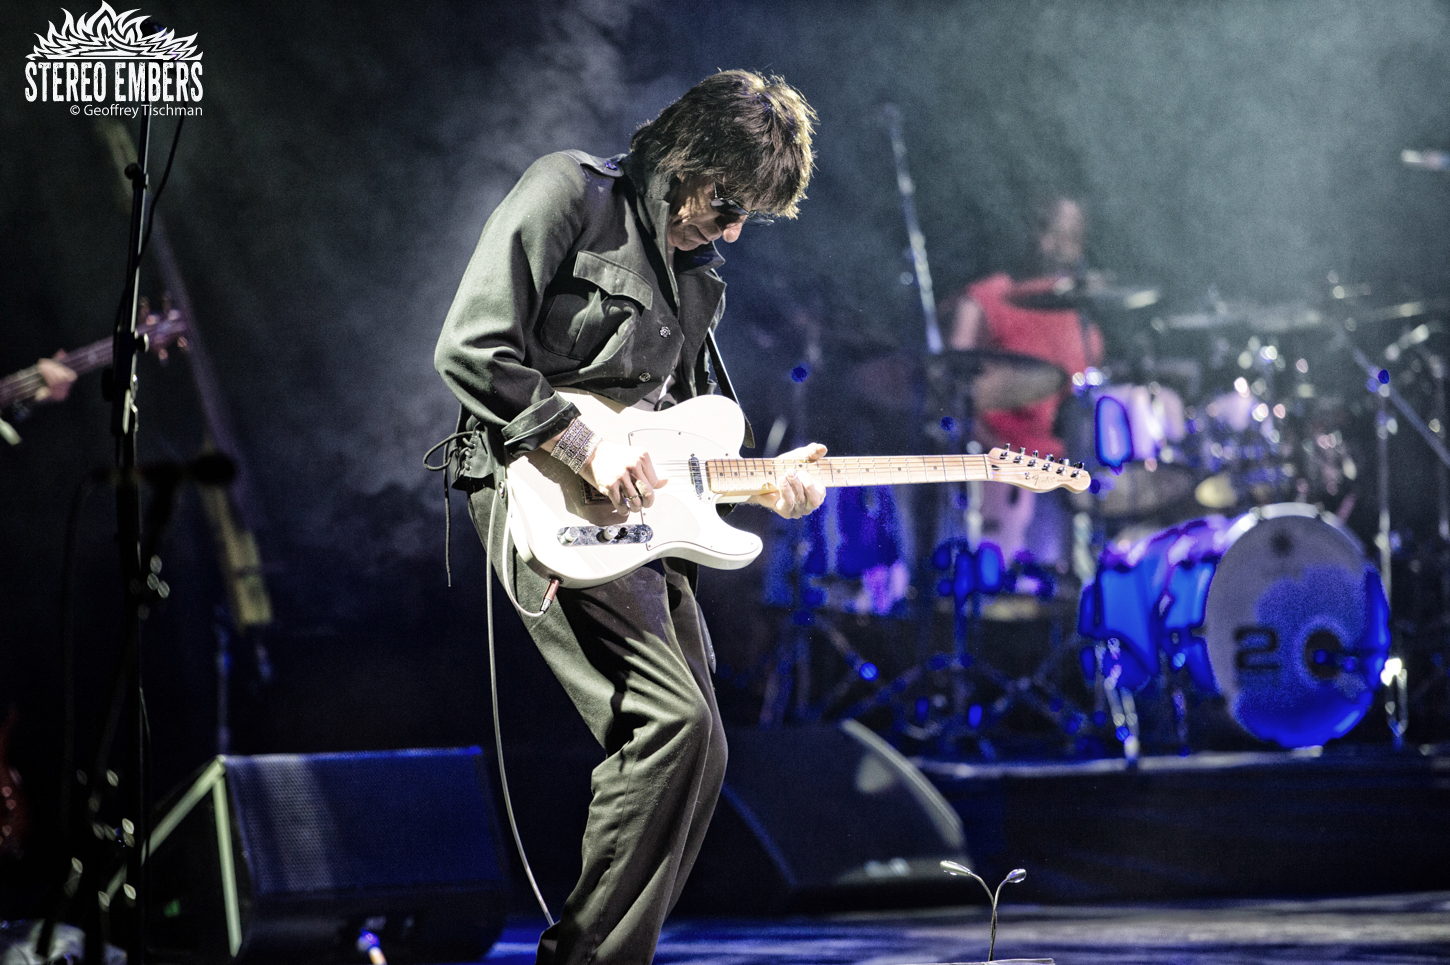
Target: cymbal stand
<point>907,189</point>
<point>1436,365</point>
<point>1379,383</point>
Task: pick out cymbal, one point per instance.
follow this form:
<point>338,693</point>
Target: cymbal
<point>1287,317</point>
<point>1093,290</point>
<point>1393,313</point>
<point>999,380</point>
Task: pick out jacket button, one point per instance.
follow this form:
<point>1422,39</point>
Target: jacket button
<point>664,331</point>
<point>644,376</point>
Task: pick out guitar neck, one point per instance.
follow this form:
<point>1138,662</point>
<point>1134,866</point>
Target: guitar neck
<point>751,476</point>
<point>24,385</point>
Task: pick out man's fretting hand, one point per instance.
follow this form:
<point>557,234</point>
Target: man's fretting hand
<point>58,378</point>
<point>799,493</point>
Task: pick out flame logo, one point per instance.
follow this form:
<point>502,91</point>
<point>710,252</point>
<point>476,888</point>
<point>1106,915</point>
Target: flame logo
<point>107,34</point>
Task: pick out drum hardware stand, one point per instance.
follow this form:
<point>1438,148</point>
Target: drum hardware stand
<point>1123,709</point>
<point>906,188</point>
<point>1379,382</point>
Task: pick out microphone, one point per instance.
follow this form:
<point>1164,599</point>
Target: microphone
<point>207,469</point>
<point>1430,160</point>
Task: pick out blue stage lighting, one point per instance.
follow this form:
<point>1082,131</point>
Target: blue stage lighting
<point>868,671</point>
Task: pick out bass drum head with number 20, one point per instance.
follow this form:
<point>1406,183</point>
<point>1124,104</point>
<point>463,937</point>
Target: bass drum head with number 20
<point>1296,626</point>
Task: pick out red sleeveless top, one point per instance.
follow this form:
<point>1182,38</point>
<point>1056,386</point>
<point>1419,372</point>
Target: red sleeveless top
<point>1053,335</point>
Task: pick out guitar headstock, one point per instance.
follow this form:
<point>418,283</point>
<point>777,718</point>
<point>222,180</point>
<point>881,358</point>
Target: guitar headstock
<point>162,328</point>
<point>1038,473</point>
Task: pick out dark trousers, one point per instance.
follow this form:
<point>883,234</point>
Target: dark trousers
<point>634,656</point>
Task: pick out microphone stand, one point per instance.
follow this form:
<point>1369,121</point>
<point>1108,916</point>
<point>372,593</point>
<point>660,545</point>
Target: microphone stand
<point>134,570</point>
<point>126,719</point>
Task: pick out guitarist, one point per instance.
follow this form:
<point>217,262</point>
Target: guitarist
<point>599,274</point>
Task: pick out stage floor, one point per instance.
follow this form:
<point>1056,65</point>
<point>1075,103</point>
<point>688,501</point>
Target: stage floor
<point>1382,930</point>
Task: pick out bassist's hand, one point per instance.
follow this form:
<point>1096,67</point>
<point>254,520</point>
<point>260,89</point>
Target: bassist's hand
<point>624,474</point>
<point>58,377</point>
<point>800,493</point>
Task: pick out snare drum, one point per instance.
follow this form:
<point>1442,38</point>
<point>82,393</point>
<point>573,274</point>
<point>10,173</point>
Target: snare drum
<point>1277,610</point>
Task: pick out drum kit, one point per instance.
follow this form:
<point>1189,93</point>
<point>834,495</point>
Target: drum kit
<point>1220,561</point>
<point>1214,560</point>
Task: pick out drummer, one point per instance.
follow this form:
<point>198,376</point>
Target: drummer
<point>994,313</point>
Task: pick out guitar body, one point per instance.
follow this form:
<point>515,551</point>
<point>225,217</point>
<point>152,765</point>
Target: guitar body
<point>564,532</point>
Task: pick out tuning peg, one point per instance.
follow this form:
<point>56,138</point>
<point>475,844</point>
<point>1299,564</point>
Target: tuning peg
<point>1049,457</point>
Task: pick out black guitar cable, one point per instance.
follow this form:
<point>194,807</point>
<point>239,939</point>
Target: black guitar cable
<point>444,466</point>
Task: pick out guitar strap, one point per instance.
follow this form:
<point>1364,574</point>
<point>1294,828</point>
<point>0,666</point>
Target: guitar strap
<point>722,378</point>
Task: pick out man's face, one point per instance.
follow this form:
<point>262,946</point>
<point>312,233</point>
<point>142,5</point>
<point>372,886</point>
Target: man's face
<point>693,222</point>
<point>1061,242</point>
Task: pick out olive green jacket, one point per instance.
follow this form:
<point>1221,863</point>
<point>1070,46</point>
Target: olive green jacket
<point>571,285</point>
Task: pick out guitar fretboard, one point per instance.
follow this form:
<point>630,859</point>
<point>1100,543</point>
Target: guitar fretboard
<point>23,385</point>
<point>758,475</point>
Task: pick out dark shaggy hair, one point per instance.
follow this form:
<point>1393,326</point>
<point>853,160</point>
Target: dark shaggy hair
<point>749,134</point>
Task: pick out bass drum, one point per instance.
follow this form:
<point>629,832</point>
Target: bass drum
<point>1296,625</point>
<point>1277,610</point>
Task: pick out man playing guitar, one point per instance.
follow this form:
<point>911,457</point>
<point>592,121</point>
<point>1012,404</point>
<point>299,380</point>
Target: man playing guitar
<point>599,274</point>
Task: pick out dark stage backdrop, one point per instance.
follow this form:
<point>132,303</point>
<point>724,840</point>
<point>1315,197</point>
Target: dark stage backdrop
<point>325,205</point>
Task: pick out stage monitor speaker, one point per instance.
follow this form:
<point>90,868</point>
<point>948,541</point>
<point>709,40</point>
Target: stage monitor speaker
<point>825,818</point>
<point>287,857</point>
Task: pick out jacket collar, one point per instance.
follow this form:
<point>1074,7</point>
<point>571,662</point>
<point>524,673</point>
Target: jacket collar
<point>653,207</point>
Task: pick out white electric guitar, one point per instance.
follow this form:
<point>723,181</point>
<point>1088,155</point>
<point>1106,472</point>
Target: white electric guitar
<point>566,530</point>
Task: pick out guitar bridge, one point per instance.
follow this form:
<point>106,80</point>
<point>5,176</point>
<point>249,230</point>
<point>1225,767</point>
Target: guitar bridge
<point>588,494</point>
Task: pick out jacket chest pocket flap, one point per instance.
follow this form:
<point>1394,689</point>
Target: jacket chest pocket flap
<point>606,298</point>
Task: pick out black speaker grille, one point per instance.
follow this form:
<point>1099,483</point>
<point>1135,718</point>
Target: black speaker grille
<point>372,822</point>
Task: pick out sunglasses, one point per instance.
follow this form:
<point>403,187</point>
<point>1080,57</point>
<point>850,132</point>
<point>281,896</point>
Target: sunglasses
<point>737,212</point>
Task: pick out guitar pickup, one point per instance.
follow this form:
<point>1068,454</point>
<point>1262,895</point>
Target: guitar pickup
<point>605,535</point>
